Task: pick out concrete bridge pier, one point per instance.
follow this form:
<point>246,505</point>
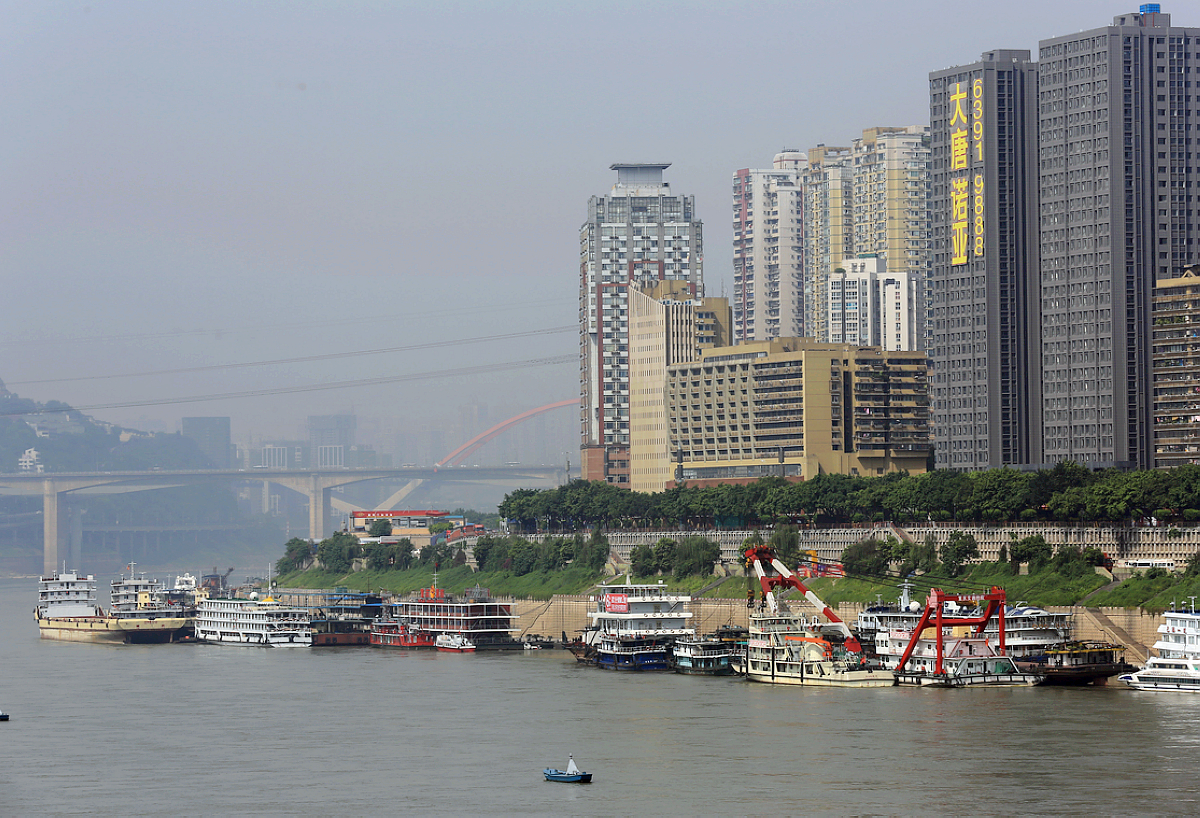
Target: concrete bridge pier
<point>54,526</point>
<point>319,511</point>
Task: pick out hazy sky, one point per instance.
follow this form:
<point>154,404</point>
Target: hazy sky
<point>201,184</point>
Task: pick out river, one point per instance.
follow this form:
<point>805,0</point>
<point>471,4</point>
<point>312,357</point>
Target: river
<point>204,730</point>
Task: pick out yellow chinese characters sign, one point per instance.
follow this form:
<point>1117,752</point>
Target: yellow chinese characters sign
<point>966,189</point>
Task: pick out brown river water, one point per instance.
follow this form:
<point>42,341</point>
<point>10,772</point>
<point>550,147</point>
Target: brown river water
<point>203,730</point>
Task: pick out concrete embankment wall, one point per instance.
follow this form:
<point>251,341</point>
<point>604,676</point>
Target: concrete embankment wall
<point>1120,542</point>
<point>1135,629</point>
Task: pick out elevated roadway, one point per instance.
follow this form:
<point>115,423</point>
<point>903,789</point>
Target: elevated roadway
<point>315,483</point>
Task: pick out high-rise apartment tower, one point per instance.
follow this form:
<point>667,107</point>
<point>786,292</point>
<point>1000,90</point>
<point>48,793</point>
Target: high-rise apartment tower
<point>982,327</point>
<point>768,249</point>
<point>639,233</point>
<point>1119,178</point>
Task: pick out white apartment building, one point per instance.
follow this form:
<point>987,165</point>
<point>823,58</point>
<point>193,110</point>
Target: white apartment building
<point>872,308</point>
<point>768,249</point>
<point>640,232</point>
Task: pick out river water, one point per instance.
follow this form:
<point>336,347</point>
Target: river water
<point>204,730</point>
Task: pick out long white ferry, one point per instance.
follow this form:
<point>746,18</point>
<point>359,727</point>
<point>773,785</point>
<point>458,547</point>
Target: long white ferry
<point>262,622</point>
<point>67,611</point>
<point>1177,666</point>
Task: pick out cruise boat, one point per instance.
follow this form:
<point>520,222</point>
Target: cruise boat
<point>473,614</point>
<point>954,658</point>
<point>67,611</point>
<point>454,643</point>
<point>261,622</point>
<point>637,624</point>
<point>783,648</point>
<point>1177,666</point>
<point>703,657</point>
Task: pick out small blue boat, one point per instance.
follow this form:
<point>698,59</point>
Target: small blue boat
<point>571,775</point>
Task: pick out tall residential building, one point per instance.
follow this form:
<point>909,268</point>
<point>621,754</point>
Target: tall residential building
<point>666,326</point>
<point>872,308</point>
<point>891,206</point>
<point>768,249</point>
<point>330,439</point>
<point>1177,369</point>
<point>1118,107</point>
<point>828,229</point>
<point>640,232</point>
<point>982,324</point>
<point>796,408</point>
<point>212,438</point>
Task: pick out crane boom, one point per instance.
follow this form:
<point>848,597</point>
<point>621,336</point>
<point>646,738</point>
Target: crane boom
<point>760,556</point>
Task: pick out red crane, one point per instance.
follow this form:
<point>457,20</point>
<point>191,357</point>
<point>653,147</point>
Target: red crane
<point>762,557</point>
<point>935,611</point>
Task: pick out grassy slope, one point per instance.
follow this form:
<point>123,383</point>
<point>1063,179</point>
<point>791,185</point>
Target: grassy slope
<point>1041,588</point>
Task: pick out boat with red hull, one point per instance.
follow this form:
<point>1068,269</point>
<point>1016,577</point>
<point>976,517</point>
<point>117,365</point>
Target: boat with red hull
<point>393,634</point>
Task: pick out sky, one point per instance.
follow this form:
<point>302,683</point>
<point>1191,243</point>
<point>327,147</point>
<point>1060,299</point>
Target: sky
<point>194,196</point>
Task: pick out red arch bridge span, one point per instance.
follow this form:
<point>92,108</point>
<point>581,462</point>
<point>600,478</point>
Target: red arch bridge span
<point>55,488</point>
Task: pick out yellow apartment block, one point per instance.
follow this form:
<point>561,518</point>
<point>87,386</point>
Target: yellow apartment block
<point>790,407</point>
<point>1176,368</point>
<point>667,325</point>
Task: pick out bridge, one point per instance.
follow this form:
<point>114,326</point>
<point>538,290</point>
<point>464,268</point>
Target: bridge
<point>315,483</point>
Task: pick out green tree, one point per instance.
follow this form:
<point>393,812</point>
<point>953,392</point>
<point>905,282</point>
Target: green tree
<point>785,540</point>
<point>1033,550</point>
<point>336,553</point>
<point>957,551</point>
<point>865,558</point>
<point>380,528</point>
<point>297,553</point>
<point>696,555</point>
<point>641,560</point>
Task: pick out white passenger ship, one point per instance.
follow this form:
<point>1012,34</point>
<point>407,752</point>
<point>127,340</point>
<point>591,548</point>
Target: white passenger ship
<point>261,622</point>
<point>1177,666</point>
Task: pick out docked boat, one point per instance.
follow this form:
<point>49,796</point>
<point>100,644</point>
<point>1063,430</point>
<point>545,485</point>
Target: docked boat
<point>636,625</point>
<point>454,643</point>
<point>1078,663</point>
<point>952,660</point>
<point>702,657</point>
<point>1177,666</point>
<point>344,618</point>
<point>782,648</point>
<point>1029,631</point>
<point>261,622</point>
<point>474,614</point>
<point>67,611</point>
<point>571,775</point>
<point>390,633</point>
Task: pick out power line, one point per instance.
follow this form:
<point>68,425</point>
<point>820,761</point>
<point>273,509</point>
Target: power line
<point>310,358</point>
<point>291,390</point>
<point>260,327</point>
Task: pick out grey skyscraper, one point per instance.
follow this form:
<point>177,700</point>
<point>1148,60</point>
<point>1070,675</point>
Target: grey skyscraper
<point>982,325</point>
<point>1119,131</point>
<point>639,233</point>
<point>212,438</point>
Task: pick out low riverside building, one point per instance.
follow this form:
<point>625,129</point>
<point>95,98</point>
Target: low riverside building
<point>795,408</point>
